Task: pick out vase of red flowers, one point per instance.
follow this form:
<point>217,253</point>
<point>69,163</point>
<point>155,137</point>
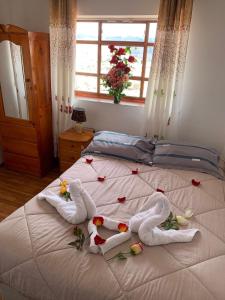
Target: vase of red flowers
<point>118,77</point>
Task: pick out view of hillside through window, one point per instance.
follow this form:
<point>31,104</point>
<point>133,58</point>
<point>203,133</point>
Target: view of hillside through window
<point>93,55</point>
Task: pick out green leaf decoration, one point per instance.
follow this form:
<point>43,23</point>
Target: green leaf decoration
<point>77,231</point>
<point>66,195</point>
<point>170,223</point>
<point>80,238</point>
<point>128,50</point>
<point>121,256</point>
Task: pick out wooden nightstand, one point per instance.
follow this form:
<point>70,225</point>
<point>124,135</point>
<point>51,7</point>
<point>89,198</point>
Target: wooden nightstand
<point>71,144</point>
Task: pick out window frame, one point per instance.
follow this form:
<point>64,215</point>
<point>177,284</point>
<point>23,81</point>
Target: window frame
<point>145,44</point>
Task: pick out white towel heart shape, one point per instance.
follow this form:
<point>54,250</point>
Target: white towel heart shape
<point>113,240</point>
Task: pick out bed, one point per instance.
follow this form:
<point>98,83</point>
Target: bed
<point>36,261</point>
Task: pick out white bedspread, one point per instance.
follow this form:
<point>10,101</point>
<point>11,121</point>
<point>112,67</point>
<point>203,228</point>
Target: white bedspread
<point>36,260</point>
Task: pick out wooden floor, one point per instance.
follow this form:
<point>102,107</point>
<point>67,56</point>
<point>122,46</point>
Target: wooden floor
<point>16,189</point>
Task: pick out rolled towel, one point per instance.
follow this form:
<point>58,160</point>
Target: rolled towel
<point>113,240</point>
<point>145,224</point>
<point>92,229</point>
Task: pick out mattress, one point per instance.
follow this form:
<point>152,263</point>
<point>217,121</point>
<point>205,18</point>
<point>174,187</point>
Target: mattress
<point>37,262</point>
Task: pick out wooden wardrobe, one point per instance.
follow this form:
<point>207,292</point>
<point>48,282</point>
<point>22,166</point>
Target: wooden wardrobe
<point>25,100</point>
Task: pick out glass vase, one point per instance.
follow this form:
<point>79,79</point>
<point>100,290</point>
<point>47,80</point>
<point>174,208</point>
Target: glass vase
<point>117,99</point>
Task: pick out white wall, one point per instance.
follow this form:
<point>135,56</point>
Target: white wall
<point>115,117</point>
<point>32,15</point>
<point>118,7</point>
<point>203,117</point>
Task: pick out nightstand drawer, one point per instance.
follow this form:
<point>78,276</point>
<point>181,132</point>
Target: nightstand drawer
<point>72,146</point>
<point>69,155</point>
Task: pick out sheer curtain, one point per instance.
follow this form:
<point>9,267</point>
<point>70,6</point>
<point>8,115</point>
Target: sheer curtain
<point>163,99</point>
<point>63,14</point>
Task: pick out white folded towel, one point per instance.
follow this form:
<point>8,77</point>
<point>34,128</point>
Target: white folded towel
<point>76,211</point>
<point>110,242</point>
<point>92,230</point>
<point>145,223</point>
<point>88,201</point>
<point>114,241</point>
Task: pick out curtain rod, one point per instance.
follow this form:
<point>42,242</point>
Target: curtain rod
<point>118,17</point>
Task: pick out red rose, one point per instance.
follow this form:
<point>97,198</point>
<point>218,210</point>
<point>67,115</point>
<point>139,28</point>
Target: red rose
<point>127,70</point>
<point>99,240</point>
<point>161,191</point>
<point>121,51</point>
<point>135,171</point>
<point>122,227</point>
<point>121,199</point>
<point>195,182</point>
<point>136,248</point>
<point>112,48</point>
<point>131,59</point>
<point>120,65</point>
<point>114,60</point>
<point>98,221</point>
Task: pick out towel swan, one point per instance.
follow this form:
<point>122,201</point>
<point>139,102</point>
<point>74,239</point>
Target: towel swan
<point>145,223</point>
<point>81,207</point>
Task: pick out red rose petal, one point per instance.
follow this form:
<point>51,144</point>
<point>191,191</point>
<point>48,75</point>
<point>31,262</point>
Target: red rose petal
<point>195,182</point>
<point>160,190</point>
<point>121,199</point>
<point>89,160</point>
<point>101,178</point>
<point>99,240</point>
<point>135,171</point>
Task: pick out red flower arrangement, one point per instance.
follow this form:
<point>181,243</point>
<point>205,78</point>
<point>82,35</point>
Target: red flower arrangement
<point>119,75</point>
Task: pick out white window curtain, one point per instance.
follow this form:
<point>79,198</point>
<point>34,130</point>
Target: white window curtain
<point>163,101</point>
<point>63,15</point>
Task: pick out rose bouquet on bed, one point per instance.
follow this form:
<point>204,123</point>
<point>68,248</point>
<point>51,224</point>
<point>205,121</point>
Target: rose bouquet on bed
<point>118,77</point>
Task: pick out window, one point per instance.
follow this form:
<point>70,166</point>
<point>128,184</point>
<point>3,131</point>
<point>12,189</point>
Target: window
<point>92,55</point>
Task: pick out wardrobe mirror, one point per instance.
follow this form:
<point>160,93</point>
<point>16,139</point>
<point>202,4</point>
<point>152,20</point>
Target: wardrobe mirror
<point>12,81</point>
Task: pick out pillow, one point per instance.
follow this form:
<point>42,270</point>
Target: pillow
<point>187,156</point>
<point>120,145</point>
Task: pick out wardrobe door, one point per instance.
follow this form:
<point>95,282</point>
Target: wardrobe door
<point>16,103</point>
<point>25,100</point>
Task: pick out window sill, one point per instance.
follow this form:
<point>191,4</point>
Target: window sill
<point>109,101</point>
